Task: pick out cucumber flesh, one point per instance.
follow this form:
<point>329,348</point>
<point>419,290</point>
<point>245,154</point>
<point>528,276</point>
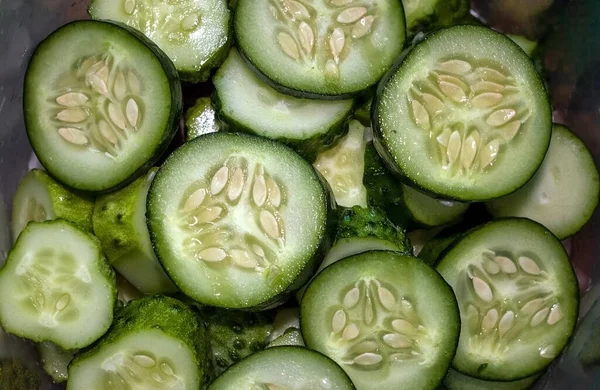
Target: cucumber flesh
<point>428,212</point>
<point>57,286</point>
<point>457,381</point>
<point>285,319</point>
<point>201,119</point>
<point>518,297</point>
<point>55,361</point>
<point>292,336</point>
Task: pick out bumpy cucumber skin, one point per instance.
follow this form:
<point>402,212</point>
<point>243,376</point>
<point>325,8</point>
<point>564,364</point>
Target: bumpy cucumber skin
<point>68,204</point>
<point>170,316</point>
<point>171,124</point>
<point>201,119</point>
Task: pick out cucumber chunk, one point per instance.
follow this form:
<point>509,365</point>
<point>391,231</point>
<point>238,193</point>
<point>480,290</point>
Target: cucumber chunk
<point>564,192</point>
<point>237,221</point>
<point>57,286</point>
<point>193,33</point>
<point>155,342</point>
<point>518,298</point>
<point>320,49</point>
<point>120,224</point>
<point>463,116</point>
<point>97,113</point>
<point>457,381</point>
<point>248,104</point>
<point>284,367</point>
<point>201,119</point>
<point>41,198</point>
<point>388,319</point>
<point>55,361</point>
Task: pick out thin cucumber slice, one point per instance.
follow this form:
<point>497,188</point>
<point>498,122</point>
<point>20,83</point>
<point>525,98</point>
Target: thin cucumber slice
<point>457,381</point>
<point>284,367</point>
<point>248,104</point>
<point>518,297</point>
<point>155,343</point>
<point>193,33</point>
<point>120,224</point>
<point>564,192</point>
<point>57,286</point>
<point>425,15</point>
<point>292,336</point>
<point>40,198</point>
<point>343,167</point>
<point>237,221</point>
<point>100,114</point>
<point>201,119</point>
<point>388,319</point>
<point>463,116</point>
<point>320,49</point>
<point>55,361</point>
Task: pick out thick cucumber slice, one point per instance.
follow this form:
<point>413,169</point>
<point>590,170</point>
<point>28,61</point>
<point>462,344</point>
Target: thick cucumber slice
<point>155,343</point>
<point>193,33</point>
<point>120,224</point>
<point>343,167</point>
<point>250,105</point>
<point>518,298</point>
<point>284,367</point>
<point>237,221</point>
<point>101,104</point>
<point>464,115</point>
<point>292,336</point>
<point>41,198</point>
<point>457,381</point>
<point>55,361</point>
<point>201,119</point>
<point>57,286</point>
<point>388,319</point>
<point>564,192</point>
<point>328,49</point>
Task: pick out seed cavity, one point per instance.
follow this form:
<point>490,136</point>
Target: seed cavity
<point>397,341</point>
<point>288,44</point>
<point>190,22</point>
<point>338,322</point>
<point>274,192</point>
<point>506,322</point>
<point>269,224</point>
<point>489,320</point>
<point>144,361</point>
<point>212,255</point>
<point>482,289</point>
<point>129,6</point>
<point>116,116</point>
<point>336,43</point>
<point>362,27</point>
<point>307,37</point>
<point>404,327</point>
<point>72,115</point>
<point>351,15</point>
<point>236,186</point>
<point>133,112</point>
<point>259,191</point>
<point>72,99</point>
<point>506,265</point>
<point>455,66</point>
<point>539,317</point>
<point>420,115</point>
<point>195,200</point>
<point>219,180</point>
<point>487,99</point>
<point>73,135</point>
<point>368,359</point>
<point>555,315</point>
<point>351,298</point>
<point>532,306</point>
<point>350,332</point>
<point>528,265</point>
<point>387,298</point>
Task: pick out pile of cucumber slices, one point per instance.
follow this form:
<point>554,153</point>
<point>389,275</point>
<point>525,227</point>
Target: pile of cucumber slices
<point>259,239</point>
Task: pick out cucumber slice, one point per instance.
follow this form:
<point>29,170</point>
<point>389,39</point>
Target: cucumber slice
<point>464,115</point>
<point>427,211</point>
<point>237,221</point>
<point>425,15</point>
<point>292,337</point>
<point>201,119</point>
<point>120,224</point>
<point>457,381</point>
<point>55,361</point>
<point>388,319</point>
<point>518,297</point>
<point>98,114</point>
<point>193,33</point>
<point>431,251</point>
<point>343,167</point>
<point>250,105</point>
<point>320,49</point>
<point>57,286</point>
<point>41,198</point>
<point>155,343</point>
<point>564,192</point>
<point>284,367</point>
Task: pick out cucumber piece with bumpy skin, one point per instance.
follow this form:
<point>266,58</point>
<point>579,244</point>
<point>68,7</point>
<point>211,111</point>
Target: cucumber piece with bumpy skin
<point>389,320</point>
<point>238,221</point>
<point>464,115</point>
<point>292,336</point>
<point>246,103</point>
<point>322,49</point>
<point>518,298</point>
<point>457,381</point>
<point>193,33</point>
<point>55,361</point>
<point>564,192</point>
<point>201,119</point>
<point>155,342</point>
<point>40,198</point>
<point>98,115</point>
<point>284,367</point>
<point>120,224</point>
<point>57,286</point>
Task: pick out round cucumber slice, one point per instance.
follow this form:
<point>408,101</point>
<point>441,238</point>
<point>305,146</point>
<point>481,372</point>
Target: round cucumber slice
<point>101,104</point>
<point>464,115</point>
<point>389,320</point>
<point>328,49</point>
<point>284,367</point>
<point>457,381</point>
<point>237,221</point>
<point>518,298</point>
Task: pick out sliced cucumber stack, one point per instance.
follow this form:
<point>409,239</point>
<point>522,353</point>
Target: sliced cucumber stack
<point>40,198</point>
<point>248,104</point>
<point>57,286</point>
<point>201,119</point>
<point>464,115</point>
<point>518,298</point>
<point>194,33</point>
<point>321,49</point>
<point>389,320</point>
<point>101,104</point>
<point>237,221</point>
<point>564,192</point>
<point>284,367</point>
